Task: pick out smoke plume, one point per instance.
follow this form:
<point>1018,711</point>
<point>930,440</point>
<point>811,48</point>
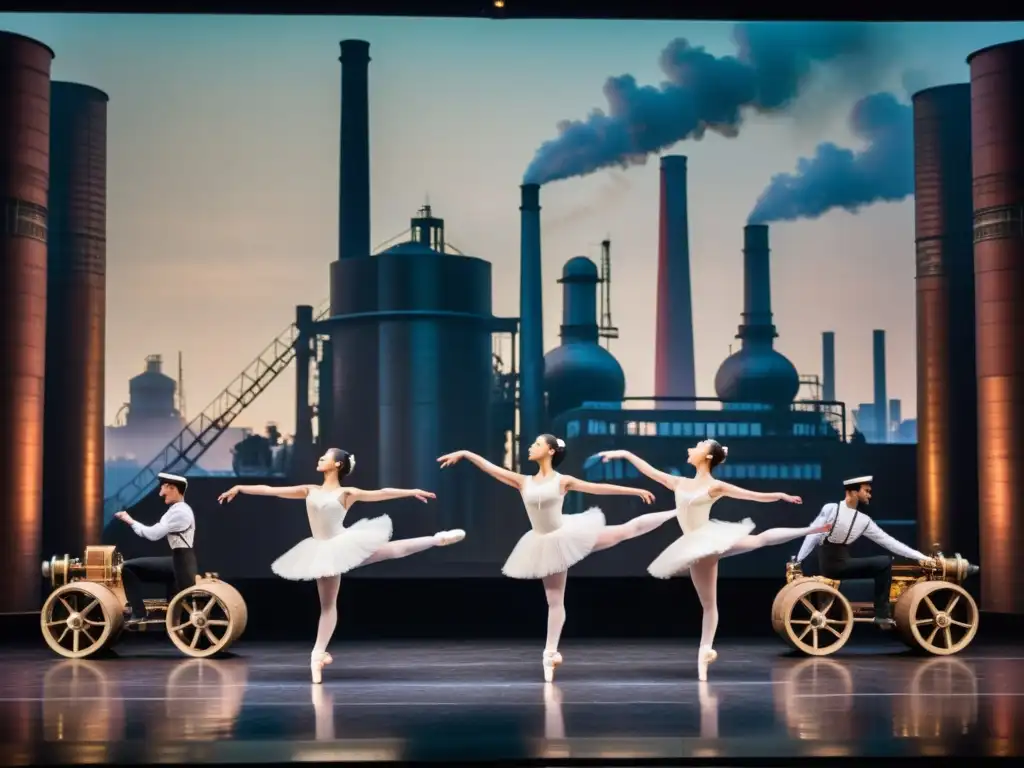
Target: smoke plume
<point>837,177</point>
<point>704,92</point>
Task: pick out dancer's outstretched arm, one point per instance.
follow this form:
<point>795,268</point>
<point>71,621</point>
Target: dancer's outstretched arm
<point>353,495</point>
<point>282,492</point>
<point>735,492</point>
<point>669,481</point>
<point>507,476</point>
<point>570,483</point>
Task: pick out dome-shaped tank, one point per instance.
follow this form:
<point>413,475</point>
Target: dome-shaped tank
<point>151,393</point>
<point>580,370</point>
<point>757,376</point>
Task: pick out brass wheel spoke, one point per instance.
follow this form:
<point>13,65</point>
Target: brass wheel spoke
<point>963,624</point>
<point>948,634</point>
<point>919,622</point>
<point>90,606</point>
<point>55,623</point>
<point>804,633</point>
<point>74,640</point>
<point>807,604</point>
<point>931,605</point>
<point>62,634</point>
<point>832,630</point>
<point>181,627</point>
<point>218,623</point>
<point>827,608</point>
<point>814,635</point>
<point>931,637</point>
<point>92,640</point>
<point>209,606</point>
<point>64,602</point>
<point>952,602</point>
<point>212,638</point>
<point>195,639</point>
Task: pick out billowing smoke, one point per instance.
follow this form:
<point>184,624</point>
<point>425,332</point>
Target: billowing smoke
<point>837,177</point>
<point>703,92</point>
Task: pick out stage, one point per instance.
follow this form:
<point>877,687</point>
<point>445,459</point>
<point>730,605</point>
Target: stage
<point>451,702</point>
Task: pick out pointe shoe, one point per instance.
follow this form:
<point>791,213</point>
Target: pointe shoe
<point>705,656</point>
<point>550,660</point>
<point>317,662</point>
<point>444,538</point>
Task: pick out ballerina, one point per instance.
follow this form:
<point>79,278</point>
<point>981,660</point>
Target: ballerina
<point>556,542</point>
<point>334,549</point>
<point>705,541</point>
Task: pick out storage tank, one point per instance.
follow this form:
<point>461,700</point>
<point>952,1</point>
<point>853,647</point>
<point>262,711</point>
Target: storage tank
<point>75,319</point>
<point>997,160</point>
<point>947,422</point>
<point>434,325</point>
<point>580,370</point>
<point>24,185</point>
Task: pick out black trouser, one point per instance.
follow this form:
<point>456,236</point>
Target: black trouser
<point>834,562</point>
<point>176,572</point>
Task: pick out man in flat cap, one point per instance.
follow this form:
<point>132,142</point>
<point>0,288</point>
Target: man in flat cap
<point>849,524</point>
<point>178,526</point>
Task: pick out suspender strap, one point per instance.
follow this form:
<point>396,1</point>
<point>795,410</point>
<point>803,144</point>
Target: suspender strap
<point>181,534</point>
<point>835,520</point>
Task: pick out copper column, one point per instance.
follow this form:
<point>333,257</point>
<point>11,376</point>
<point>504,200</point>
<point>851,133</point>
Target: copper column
<point>997,155</point>
<point>946,383</point>
<point>24,181</point>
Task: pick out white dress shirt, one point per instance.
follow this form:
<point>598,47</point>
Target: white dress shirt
<point>178,526</point>
<point>853,524</point>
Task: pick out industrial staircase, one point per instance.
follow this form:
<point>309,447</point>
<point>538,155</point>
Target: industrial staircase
<point>185,450</point>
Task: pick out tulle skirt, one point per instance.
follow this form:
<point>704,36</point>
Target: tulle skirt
<point>715,537</point>
<point>317,558</point>
<point>537,555</point>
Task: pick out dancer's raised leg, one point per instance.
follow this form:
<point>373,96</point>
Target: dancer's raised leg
<point>394,550</point>
<point>773,537</point>
<point>327,587</point>
<point>554,590</point>
<point>638,526</point>
<point>704,574</point>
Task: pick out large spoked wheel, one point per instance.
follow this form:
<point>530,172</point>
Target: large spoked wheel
<point>812,617</point>
<point>937,617</point>
<point>80,619</point>
<point>206,619</point>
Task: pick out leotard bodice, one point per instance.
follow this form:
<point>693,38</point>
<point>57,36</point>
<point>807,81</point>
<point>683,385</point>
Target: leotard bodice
<point>543,500</point>
<point>693,507</point>
<point>326,513</point>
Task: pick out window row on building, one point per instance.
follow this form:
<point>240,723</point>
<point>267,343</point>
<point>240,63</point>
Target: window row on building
<point>695,429</point>
<point>617,469</point>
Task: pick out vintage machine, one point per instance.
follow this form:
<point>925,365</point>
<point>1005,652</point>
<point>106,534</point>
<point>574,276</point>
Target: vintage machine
<point>932,610</point>
<point>85,613</point>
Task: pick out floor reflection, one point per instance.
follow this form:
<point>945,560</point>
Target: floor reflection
<point>476,702</point>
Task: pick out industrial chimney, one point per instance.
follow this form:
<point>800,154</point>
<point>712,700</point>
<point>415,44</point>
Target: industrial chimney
<point>75,319</point>
<point>354,202</point>
<point>828,366</point>
<point>531,322</point>
<point>674,374</point>
<point>757,373</point>
<point>881,401</point>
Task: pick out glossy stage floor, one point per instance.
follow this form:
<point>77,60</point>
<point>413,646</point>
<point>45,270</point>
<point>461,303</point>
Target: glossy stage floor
<point>450,702</point>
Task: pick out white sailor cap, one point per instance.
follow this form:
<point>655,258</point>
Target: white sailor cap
<point>855,482</point>
<point>166,477</point>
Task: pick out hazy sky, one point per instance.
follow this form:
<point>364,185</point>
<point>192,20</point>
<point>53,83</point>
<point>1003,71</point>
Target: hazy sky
<point>223,184</point>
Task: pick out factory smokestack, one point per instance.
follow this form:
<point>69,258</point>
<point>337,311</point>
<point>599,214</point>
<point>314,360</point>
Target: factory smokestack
<point>881,401</point>
<point>674,374</point>
<point>757,329</point>
<point>946,366</point>
<point>354,203</point>
<point>531,322</point>
<point>24,183</point>
<point>997,136</point>
<point>828,366</point>
<point>75,319</point>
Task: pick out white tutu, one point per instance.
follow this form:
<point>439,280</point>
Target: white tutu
<point>712,538</point>
<point>316,558</point>
<point>537,555</point>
